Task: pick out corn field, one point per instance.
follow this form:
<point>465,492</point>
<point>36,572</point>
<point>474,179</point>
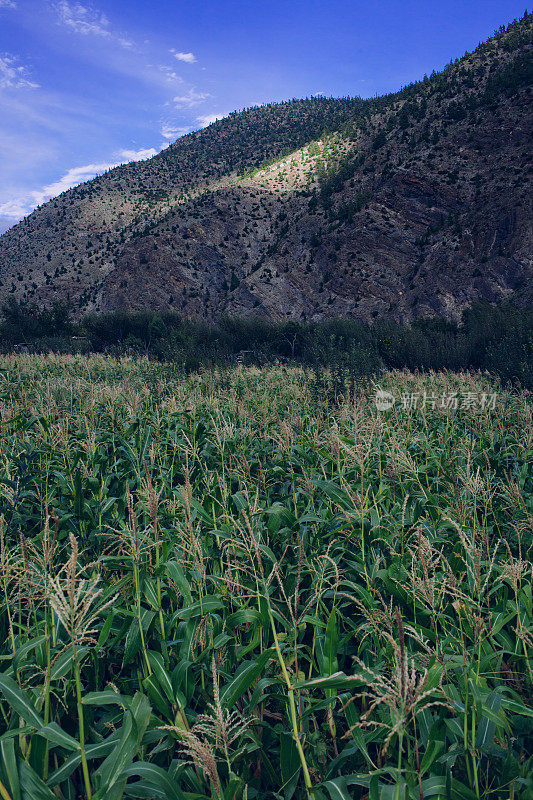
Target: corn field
<point>229,586</point>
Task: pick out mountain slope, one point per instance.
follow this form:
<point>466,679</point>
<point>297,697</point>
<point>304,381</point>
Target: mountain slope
<point>408,205</point>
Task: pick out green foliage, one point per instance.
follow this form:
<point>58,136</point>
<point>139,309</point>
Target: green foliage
<point>345,212</point>
<point>226,586</point>
<point>494,338</point>
<point>514,75</point>
<point>490,337</point>
<point>379,140</point>
<point>23,321</point>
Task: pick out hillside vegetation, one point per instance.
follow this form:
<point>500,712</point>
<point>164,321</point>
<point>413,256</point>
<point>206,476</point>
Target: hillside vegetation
<point>493,338</point>
<point>405,206</point>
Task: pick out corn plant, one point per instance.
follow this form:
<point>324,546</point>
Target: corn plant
<point>242,585</point>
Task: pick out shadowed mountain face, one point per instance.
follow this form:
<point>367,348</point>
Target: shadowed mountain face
<point>403,206</point>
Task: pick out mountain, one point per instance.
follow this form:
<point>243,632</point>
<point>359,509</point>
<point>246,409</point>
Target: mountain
<point>412,204</point>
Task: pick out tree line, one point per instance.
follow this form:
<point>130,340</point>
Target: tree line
<point>497,338</point>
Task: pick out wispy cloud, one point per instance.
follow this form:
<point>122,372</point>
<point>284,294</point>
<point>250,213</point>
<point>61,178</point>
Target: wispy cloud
<point>170,75</point>
<point>17,207</point>
<point>208,119</point>
<point>88,21</point>
<point>189,58</point>
<point>14,75</point>
<point>138,155</point>
<point>129,58</point>
<point>7,4</point>
<point>190,99</point>
<point>83,19</point>
<point>170,131</point>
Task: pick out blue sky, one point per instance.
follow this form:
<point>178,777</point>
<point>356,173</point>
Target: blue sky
<point>84,87</point>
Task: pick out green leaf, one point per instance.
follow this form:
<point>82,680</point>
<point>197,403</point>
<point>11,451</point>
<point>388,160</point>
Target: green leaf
<point>499,620</point>
<point>131,733</point>
<point>133,639</point>
<point>176,573</point>
<point>290,764</point>
<point>91,751</point>
<point>156,776</point>
<point>434,749</point>
<point>53,733</point>
<point>516,708</point>
<point>242,617</point>
<point>33,788</point>
<point>151,684</point>
<point>19,701</point>
<point>352,718</point>
<point>105,698</point>
<point>23,651</point>
<point>332,638</point>
<point>434,785</point>
<point>122,754</point>
<point>78,495</point>
<point>149,590</point>
<point>245,676</point>
<point>206,605</point>
<point>10,768</point>
<point>234,788</point>
<point>373,788</point>
<point>460,790</point>
<point>63,665</point>
<point>339,680</point>
<point>327,647</point>
<point>489,720</point>
<point>158,666</point>
<point>337,788</point>
<point>106,628</point>
<point>338,495</point>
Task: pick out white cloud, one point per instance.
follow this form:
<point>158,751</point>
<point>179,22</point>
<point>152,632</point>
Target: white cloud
<point>208,119</point>
<point>7,4</point>
<point>18,207</point>
<point>192,98</point>
<point>170,75</point>
<point>83,19</point>
<point>169,131</point>
<point>13,75</point>
<point>71,178</point>
<point>127,56</point>
<point>87,20</point>
<point>14,209</point>
<point>189,58</point>
<point>138,155</point>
